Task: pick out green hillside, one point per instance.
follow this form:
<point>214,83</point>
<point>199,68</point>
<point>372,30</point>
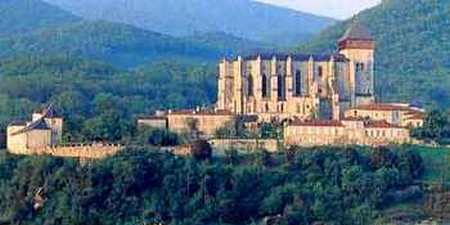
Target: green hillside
<point>147,186</point>
<point>119,44</point>
<point>413,49</point>
<point>122,45</point>
<point>24,16</point>
<point>32,27</point>
<point>86,91</point>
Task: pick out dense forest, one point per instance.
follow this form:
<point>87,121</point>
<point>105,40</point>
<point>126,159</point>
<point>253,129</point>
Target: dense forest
<point>145,186</point>
<point>95,97</point>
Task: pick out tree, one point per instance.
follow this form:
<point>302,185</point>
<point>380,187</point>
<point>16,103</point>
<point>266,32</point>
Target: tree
<point>268,130</point>
<point>108,126</point>
<point>436,127</point>
<point>201,150</point>
<point>157,137</point>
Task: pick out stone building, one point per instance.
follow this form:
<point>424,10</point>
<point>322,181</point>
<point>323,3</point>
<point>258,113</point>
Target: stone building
<point>344,132</point>
<point>300,85</point>
<point>324,99</point>
<point>44,130</point>
<point>204,122</point>
<point>153,121</point>
<point>43,136</point>
<point>398,114</point>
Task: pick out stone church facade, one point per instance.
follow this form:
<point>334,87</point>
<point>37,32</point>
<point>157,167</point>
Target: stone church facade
<point>280,86</point>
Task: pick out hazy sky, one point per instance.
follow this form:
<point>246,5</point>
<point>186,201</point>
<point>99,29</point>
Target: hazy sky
<point>340,9</point>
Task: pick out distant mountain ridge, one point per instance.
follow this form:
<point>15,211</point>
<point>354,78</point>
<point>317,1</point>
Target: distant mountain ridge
<point>241,18</point>
<point>413,49</point>
<point>43,29</point>
<point>24,16</point>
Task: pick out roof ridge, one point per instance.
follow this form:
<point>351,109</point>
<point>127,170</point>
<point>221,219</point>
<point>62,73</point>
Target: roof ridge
<point>356,31</point>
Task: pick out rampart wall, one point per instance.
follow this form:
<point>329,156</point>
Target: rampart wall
<point>248,145</point>
<point>82,151</point>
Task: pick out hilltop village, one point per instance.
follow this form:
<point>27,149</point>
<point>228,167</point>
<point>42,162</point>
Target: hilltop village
<point>312,99</point>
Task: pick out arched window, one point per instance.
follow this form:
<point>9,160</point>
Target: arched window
<point>265,86</point>
<point>250,85</point>
<point>298,83</point>
<point>281,87</point>
<point>320,71</point>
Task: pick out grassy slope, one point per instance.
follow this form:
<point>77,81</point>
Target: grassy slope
<point>437,164</point>
<point>437,169</point>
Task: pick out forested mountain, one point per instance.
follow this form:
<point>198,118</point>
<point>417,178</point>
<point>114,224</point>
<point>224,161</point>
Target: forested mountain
<point>24,16</point>
<point>413,49</point>
<point>241,18</point>
<point>122,45</point>
<point>44,29</point>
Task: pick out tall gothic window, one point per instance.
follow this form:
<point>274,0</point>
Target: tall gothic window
<point>265,86</point>
<point>359,67</point>
<point>281,87</point>
<point>320,71</point>
<point>250,85</point>
<point>298,83</point>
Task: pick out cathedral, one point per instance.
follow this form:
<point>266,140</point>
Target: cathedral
<point>303,86</point>
<point>321,99</point>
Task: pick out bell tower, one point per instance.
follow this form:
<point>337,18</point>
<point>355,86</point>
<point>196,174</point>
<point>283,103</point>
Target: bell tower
<point>358,46</point>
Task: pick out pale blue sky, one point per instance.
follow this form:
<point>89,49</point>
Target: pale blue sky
<point>340,9</point>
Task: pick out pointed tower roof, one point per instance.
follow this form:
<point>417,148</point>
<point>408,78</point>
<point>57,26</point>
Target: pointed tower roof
<point>357,32</point>
<point>357,36</point>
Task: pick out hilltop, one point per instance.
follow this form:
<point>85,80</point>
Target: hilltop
<point>241,18</point>
<point>412,60</point>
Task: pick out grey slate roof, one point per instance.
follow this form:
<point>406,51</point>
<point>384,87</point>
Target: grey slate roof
<point>297,57</point>
<point>38,124</point>
<point>356,32</point>
<point>18,123</point>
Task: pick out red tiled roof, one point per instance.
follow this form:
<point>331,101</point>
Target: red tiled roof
<point>356,32</point>
<point>152,118</point>
<point>194,112</point>
<point>380,124</point>
<point>383,107</point>
<point>416,116</point>
<point>352,118</point>
<point>317,123</point>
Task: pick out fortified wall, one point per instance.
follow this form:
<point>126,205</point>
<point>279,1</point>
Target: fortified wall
<point>82,151</point>
<point>247,145</point>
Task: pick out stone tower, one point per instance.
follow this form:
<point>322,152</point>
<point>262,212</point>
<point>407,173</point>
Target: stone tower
<point>358,46</point>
